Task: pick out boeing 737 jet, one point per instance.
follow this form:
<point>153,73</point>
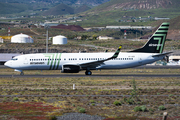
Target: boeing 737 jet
<point>74,62</point>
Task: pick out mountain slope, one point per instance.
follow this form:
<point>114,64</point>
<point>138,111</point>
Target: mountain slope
<point>82,8</point>
<point>137,4</point>
<point>175,23</point>
<point>60,9</point>
<point>112,12</point>
<point>9,8</point>
<point>68,2</point>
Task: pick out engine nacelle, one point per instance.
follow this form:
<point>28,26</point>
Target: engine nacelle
<point>70,69</point>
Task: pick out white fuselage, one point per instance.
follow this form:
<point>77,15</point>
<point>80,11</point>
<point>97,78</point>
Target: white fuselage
<point>55,61</point>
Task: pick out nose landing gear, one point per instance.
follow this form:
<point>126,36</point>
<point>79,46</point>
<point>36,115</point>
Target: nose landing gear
<point>22,73</point>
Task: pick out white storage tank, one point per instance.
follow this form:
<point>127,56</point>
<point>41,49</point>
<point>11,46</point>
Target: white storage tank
<point>59,40</point>
<point>1,40</point>
<point>21,38</point>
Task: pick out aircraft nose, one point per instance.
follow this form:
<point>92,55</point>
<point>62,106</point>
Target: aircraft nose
<point>6,64</point>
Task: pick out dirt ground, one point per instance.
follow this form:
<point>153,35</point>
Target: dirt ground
<point>107,97</point>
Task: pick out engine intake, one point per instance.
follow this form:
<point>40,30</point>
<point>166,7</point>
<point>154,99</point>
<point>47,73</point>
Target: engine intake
<point>70,69</point>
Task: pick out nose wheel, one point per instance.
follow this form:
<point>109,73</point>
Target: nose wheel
<point>88,72</point>
<point>22,73</point>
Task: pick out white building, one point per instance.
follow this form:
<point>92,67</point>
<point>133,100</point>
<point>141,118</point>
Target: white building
<point>104,38</point>
<point>156,18</point>
<point>21,38</point>
<point>174,60</point>
<point>59,40</point>
<point>128,27</point>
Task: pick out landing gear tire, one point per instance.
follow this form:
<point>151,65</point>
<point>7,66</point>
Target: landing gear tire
<point>22,73</point>
<point>88,73</point>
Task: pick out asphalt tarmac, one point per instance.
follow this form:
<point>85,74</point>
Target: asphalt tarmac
<point>107,75</point>
<point>77,75</point>
<point>143,67</point>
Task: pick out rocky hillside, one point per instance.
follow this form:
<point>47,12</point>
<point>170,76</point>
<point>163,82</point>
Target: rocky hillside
<point>137,4</point>
<point>144,4</point>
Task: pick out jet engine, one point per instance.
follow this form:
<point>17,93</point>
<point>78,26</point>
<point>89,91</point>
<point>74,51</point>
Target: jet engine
<point>70,69</point>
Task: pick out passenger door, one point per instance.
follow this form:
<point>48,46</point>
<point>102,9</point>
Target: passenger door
<point>140,59</point>
<point>26,60</point>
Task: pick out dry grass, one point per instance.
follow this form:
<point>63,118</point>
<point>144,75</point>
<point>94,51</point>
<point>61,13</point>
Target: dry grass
<point>46,91</point>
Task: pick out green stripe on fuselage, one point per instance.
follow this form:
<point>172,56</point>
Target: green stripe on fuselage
<point>55,61</point>
<point>58,61</point>
<point>51,62</point>
<point>49,57</point>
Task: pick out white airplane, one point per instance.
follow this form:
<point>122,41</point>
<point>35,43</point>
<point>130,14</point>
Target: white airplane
<point>74,62</point>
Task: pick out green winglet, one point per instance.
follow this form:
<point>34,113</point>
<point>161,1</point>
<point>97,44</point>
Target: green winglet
<point>117,52</point>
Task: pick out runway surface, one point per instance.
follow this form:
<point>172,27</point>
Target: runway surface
<point>103,75</point>
<point>77,75</point>
<point>141,67</point>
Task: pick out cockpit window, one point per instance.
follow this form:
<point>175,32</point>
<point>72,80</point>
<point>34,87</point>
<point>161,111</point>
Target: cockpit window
<point>14,59</point>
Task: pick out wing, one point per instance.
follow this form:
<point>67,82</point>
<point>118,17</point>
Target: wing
<point>100,62</point>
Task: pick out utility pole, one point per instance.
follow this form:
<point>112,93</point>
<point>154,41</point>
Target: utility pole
<point>125,34</point>
<point>9,31</point>
<point>46,27</point>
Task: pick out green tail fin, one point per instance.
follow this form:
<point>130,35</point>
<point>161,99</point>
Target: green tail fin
<point>156,42</point>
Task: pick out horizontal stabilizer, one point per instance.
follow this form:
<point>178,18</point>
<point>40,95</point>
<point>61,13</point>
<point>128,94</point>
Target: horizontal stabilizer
<point>162,54</point>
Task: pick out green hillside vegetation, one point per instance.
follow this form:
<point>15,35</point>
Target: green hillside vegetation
<point>60,9</point>
<point>112,17</point>
<point>82,9</point>
<point>63,9</point>
<point>9,8</point>
<point>175,23</point>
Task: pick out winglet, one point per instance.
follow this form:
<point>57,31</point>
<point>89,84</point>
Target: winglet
<point>116,53</point>
<point>97,63</point>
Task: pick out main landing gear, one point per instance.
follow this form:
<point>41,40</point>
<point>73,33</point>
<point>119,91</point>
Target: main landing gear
<point>88,72</point>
